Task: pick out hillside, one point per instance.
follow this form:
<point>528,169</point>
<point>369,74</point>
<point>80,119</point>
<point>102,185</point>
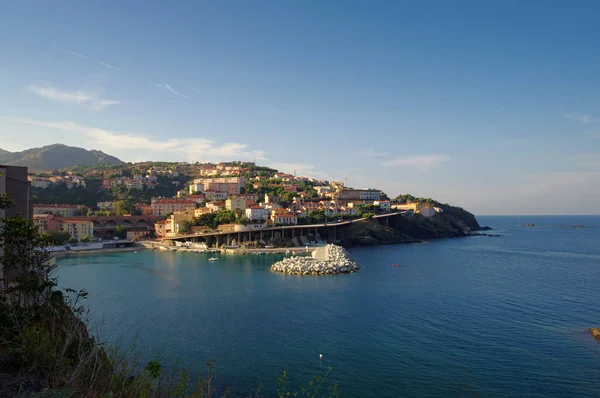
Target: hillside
<point>55,156</point>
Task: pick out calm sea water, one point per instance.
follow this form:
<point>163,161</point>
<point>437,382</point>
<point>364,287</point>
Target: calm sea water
<point>491,316</point>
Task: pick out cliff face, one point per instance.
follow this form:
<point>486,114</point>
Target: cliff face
<point>372,233</point>
<point>451,223</point>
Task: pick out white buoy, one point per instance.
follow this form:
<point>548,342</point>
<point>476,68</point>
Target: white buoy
<point>321,356</point>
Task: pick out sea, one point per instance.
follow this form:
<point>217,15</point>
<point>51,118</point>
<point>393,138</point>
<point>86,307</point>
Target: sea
<point>490,316</point>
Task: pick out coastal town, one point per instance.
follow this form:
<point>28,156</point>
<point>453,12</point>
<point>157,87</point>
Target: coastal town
<point>150,201</point>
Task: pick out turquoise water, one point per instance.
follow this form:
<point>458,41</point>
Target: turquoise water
<point>492,316</point>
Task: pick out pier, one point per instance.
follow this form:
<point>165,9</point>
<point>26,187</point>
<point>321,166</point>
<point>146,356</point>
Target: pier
<point>303,233</point>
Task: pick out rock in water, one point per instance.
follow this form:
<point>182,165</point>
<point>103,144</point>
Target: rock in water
<point>338,262</point>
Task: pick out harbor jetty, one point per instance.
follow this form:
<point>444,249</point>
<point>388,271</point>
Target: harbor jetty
<point>329,259</point>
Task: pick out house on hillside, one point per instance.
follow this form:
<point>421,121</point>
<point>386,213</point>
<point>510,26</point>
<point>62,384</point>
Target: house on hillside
<point>283,217</point>
<point>256,213</point>
<point>235,203</point>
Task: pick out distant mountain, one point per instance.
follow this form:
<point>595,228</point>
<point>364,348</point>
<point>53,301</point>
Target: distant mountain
<point>55,156</point>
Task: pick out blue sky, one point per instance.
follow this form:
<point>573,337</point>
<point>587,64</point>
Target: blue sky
<point>490,105</point>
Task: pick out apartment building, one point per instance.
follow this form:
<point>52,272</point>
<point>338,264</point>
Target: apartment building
<point>235,203</point>
<point>77,228</point>
<point>256,213</point>
<point>45,222</point>
<point>163,206</point>
<point>229,185</point>
<point>215,195</point>
<point>364,195</point>
<point>60,210</point>
<point>162,228</point>
<point>284,218</point>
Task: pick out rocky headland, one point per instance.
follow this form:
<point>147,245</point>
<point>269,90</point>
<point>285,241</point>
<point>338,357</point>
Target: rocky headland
<point>335,260</point>
<point>452,222</point>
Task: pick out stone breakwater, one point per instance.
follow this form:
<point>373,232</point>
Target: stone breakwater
<point>337,262</point>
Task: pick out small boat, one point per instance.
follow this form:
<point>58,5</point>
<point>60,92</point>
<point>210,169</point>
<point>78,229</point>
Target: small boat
<point>213,259</point>
<point>396,265</point>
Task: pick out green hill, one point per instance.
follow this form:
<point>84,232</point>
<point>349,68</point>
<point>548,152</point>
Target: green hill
<point>55,156</point>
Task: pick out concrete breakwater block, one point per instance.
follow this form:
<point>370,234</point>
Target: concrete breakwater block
<point>334,260</point>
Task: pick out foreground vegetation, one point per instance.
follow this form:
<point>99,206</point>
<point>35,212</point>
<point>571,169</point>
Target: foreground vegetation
<point>47,351</point>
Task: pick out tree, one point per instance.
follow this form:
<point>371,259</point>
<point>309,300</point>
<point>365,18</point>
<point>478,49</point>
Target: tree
<point>120,232</point>
<point>122,207</point>
<point>239,213</point>
<point>317,216</point>
<point>226,217</point>
<point>209,220</point>
<point>186,227</point>
<point>24,280</point>
<point>288,197</point>
<point>56,238</point>
<point>86,239</point>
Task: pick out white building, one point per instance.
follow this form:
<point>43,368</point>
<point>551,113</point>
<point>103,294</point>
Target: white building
<point>40,182</point>
<point>255,213</point>
<point>196,188</point>
<point>384,205</point>
<point>215,195</point>
<point>284,218</point>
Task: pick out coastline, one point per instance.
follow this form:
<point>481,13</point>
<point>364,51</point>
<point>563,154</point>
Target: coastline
<point>239,251</point>
<point>98,251</point>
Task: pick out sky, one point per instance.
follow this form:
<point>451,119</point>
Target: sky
<point>493,106</point>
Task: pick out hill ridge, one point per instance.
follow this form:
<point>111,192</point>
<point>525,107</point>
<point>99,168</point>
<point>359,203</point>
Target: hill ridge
<point>55,156</point>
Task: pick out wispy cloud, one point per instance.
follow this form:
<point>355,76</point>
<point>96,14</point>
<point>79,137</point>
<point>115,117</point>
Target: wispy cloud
<point>425,163</point>
<point>138,146</point>
<point>194,88</point>
<point>76,54</point>
<point>106,65</point>
<point>81,56</point>
<point>88,99</point>
<point>370,152</point>
<point>168,88</point>
<point>582,117</point>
